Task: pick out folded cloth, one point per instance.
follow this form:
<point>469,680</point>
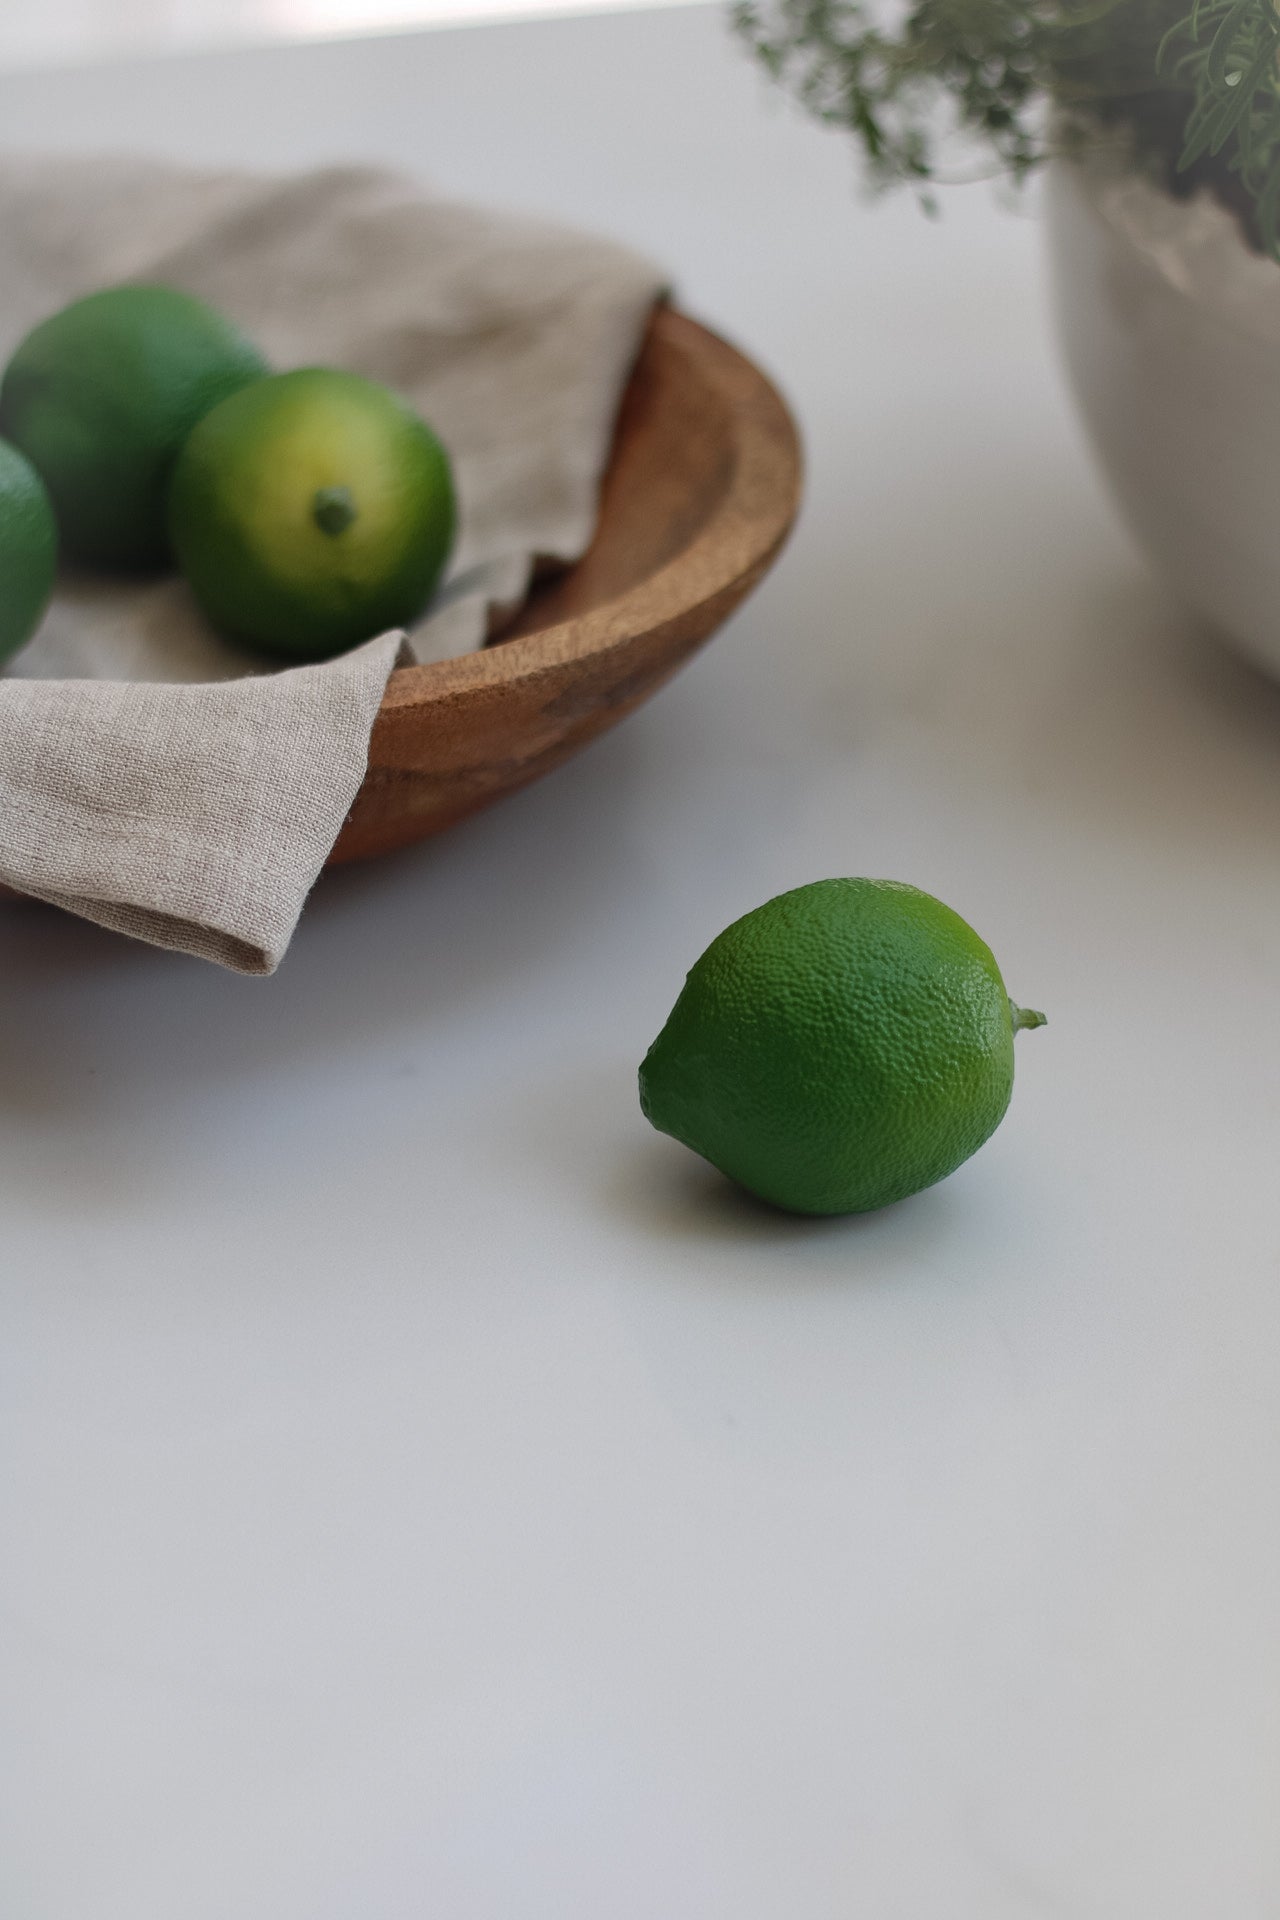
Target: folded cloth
<point>152,777</point>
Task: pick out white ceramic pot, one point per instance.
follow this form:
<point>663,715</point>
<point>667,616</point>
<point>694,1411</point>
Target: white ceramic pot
<point>1170,326</point>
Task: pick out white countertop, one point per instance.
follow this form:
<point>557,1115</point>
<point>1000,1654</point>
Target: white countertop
<point>426,1493</point>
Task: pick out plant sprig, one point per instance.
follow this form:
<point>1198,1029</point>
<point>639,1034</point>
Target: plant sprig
<point>1226,54</point>
<point>1197,93</point>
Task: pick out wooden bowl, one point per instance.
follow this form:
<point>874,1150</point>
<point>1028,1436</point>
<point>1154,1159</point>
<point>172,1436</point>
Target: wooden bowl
<point>701,490</point>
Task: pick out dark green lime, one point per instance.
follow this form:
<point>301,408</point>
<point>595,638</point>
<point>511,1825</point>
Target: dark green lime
<point>28,550</point>
<point>101,396</point>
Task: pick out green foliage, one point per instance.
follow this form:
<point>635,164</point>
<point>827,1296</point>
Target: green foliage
<point>1197,95</point>
<point>1225,54</point>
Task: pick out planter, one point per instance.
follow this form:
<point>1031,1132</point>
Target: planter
<point>1170,327</point>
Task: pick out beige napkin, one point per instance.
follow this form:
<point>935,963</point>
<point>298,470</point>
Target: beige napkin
<point>152,778</point>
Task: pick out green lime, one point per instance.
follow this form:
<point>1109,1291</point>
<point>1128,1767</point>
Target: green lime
<point>312,511</point>
<point>844,1045</point>
<point>101,396</point>
<point>28,550</point>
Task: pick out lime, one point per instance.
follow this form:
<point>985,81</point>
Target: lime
<point>846,1044</point>
<point>311,512</point>
<point>28,550</point>
<point>101,396</point>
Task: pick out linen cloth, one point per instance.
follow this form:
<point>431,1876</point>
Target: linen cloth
<point>152,777</point>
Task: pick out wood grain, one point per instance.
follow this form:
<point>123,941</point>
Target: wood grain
<point>701,490</point>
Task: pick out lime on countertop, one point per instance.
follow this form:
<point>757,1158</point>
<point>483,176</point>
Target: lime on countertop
<point>840,1047</point>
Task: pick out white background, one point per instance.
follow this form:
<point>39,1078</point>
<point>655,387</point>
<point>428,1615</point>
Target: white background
<point>35,33</point>
<point>424,1490</point>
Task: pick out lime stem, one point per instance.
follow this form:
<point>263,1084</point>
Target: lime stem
<point>333,509</point>
<point>1025,1017</point>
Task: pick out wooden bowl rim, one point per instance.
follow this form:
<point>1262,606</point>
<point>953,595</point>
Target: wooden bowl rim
<point>748,524</point>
